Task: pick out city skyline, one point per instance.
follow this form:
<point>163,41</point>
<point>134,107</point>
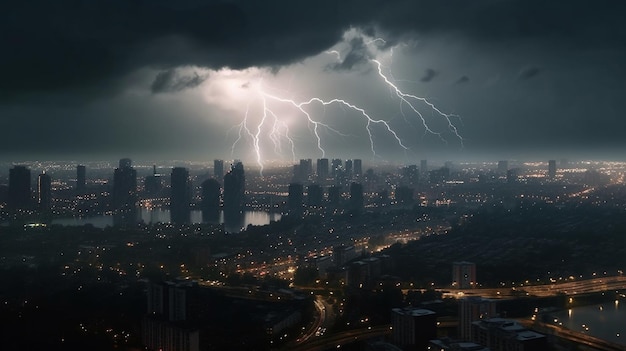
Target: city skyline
<point>516,80</point>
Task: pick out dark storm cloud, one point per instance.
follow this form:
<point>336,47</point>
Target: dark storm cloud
<point>172,80</point>
<point>528,72</point>
<point>463,79</point>
<point>358,55</point>
<point>73,44</point>
<point>429,75</point>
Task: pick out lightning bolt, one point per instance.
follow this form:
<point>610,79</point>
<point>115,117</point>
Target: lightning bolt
<point>406,98</point>
<point>272,125</point>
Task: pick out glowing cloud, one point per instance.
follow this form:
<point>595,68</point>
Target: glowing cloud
<point>270,115</point>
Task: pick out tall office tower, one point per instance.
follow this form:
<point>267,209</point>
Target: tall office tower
<point>180,198</point>
<point>125,163</point>
<point>315,195</point>
<point>472,309</point>
<point>44,192</point>
<point>295,199</point>
<point>19,188</point>
<point>81,176</point>
<point>153,183</point>
<point>424,168</point>
<point>307,167</point>
<point>463,275</point>
<point>334,196</point>
<point>404,195</point>
<point>234,189</point>
<point>210,196</point>
<point>358,167</point>
<point>348,168</point>
<point>124,186</point>
<point>322,169</point>
<point>413,328</point>
<point>356,197</point>
<point>410,175</point>
<point>335,167</point>
<point>503,167</point>
<point>552,168</point>
<point>218,169</point>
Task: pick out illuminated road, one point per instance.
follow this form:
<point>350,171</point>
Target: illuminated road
<point>571,335</point>
<point>332,341</point>
<point>586,286</point>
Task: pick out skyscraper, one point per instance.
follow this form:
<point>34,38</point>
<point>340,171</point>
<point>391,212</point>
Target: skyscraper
<point>356,197</point>
<point>471,309</point>
<point>152,183</point>
<point>335,167</point>
<point>124,186</point>
<point>234,189</point>
<point>424,169</point>
<point>412,328</point>
<point>81,175</point>
<point>181,196</point>
<point>295,199</point>
<point>315,195</point>
<point>44,192</point>
<point>552,168</point>
<point>348,168</point>
<point>463,275</point>
<point>322,169</point>
<point>218,169</point>
<point>334,196</point>
<point>19,188</point>
<point>357,164</point>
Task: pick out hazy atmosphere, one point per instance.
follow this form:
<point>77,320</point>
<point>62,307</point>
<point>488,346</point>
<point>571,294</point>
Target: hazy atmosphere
<point>507,79</point>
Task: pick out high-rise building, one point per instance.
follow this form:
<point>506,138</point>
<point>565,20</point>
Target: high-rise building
<point>218,169</point>
<point>410,175</point>
<point>234,189</point>
<point>334,196</point>
<point>322,169</point>
<point>125,163</point>
<point>472,309</point>
<point>335,167</point>
<point>423,168</point>
<point>412,328</point>
<point>210,205</point>
<point>357,164</point>
<point>295,199</point>
<point>348,168</point>
<point>404,195</point>
<point>552,169</point>
<point>124,186</point>
<point>463,275</point>
<point>153,183</point>
<point>356,197</point>
<point>44,192</point>
<point>180,196</point>
<point>315,195</point>
<point>81,177</point>
<point>19,196</point>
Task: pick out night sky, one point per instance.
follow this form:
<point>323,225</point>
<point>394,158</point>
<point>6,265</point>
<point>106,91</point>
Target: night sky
<point>517,79</point>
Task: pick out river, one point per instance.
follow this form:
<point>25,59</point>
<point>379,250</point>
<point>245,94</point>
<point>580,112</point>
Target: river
<point>157,215</point>
<point>606,321</point>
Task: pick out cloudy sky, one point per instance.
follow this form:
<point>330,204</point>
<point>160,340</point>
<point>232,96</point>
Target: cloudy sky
<point>200,80</point>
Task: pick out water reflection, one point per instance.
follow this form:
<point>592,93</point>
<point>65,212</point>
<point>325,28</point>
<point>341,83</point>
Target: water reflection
<point>604,321</point>
<point>233,223</point>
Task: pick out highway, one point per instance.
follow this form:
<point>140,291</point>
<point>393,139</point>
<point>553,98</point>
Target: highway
<point>573,287</point>
<point>338,339</point>
<point>571,335</point>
